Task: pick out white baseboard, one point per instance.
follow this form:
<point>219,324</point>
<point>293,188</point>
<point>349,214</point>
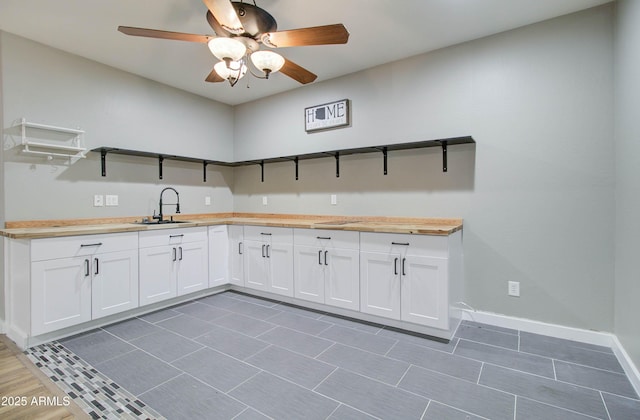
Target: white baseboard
<point>561,331</point>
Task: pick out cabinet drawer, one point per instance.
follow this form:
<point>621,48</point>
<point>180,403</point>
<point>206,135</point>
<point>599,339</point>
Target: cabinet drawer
<point>172,236</point>
<point>267,233</point>
<point>72,246</point>
<point>427,245</point>
<point>326,238</point>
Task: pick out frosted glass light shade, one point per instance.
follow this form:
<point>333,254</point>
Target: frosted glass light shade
<point>267,61</point>
<point>227,48</point>
<point>235,71</point>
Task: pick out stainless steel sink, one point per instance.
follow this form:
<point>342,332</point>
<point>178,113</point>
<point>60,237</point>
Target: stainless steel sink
<point>158,222</point>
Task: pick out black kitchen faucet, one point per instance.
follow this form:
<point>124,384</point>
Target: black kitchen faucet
<point>177,204</point>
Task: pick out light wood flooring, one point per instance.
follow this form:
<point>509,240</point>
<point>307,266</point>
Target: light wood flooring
<point>26,393</point>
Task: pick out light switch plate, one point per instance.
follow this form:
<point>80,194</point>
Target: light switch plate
<point>334,199</point>
<point>98,200</point>
<point>264,200</point>
<point>207,201</point>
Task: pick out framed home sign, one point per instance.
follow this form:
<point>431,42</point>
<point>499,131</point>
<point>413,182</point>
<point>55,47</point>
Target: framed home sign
<point>327,116</point>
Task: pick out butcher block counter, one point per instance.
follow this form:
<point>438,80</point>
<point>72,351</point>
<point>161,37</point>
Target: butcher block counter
<point>71,227</point>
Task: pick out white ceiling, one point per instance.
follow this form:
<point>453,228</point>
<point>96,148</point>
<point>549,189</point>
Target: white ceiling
<point>381,31</point>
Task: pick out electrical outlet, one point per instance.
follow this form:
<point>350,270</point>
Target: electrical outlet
<point>98,200</point>
<point>111,200</point>
<point>207,201</point>
<point>264,200</point>
<point>514,288</point>
<point>334,199</point>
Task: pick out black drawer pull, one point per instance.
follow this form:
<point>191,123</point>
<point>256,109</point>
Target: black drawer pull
<point>240,248</point>
<point>320,257</point>
<point>97,263</point>
<point>87,273</point>
<point>86,245</point>
<point>400,243</point>
<point>324,237</point>
<point>263,250</point>
<point>404,273</point>
<point>176,236</point>
<point>268,253</point>
<point>267,234</point>
<point>395,266</point>
<point>174,254</point>
<point>325,258</point>
<point>180,249</point>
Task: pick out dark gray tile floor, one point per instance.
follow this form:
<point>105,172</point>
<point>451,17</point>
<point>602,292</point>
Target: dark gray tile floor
<point>233,356</point>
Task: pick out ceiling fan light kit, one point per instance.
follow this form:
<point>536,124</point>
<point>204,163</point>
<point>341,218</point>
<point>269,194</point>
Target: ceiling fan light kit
<point>240,29</point>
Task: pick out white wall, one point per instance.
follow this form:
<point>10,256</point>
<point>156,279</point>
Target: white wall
<point>627,246</point>
<point>115,109</point>
<point>2,181</point>
<point>536,192</point>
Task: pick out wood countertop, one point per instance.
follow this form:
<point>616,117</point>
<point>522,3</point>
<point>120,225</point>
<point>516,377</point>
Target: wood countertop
<point>60,228</point>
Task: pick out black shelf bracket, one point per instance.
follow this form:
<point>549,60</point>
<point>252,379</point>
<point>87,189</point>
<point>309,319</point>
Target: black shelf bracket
<point>160,160</point>
<point>103,161</point>
<point>444,156</point>
<point>262,171</point>
<point>337,164</point>
<point>384,151</point>
<point>204,170</point>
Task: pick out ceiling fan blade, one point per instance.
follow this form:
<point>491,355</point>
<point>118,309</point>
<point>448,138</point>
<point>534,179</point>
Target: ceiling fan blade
<point>297,73</point>
<point>317,35</point>
<point>214,77</point>
<point>155,33</point>
<point>226,15</point>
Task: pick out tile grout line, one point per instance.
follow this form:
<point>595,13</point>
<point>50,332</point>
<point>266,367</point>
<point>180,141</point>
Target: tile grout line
<point>515,407</point>
<point>424,413</point>
<point>553,364</point>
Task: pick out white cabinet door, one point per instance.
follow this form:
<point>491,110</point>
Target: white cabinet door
<point>60,293</point>
<point>255,265</point>
<point>309,273</point>
<point>218,256</point>
<point>114,287</point>
<point>157,274</point>
<point>280,272</point>
<point>380,284</point>
<point>342,278</point>
<point>236,255</point>
<point>192,267</point>
<point>425,298</point>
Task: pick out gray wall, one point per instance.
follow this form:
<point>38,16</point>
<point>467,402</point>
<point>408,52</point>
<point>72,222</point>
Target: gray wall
<point>2,181</point>
<point>627,246</point>
<point>536,192</point>
<point>115,109</point>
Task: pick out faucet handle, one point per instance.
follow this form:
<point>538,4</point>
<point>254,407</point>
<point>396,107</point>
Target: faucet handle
<point>154,217</point>
<point>178,208</point>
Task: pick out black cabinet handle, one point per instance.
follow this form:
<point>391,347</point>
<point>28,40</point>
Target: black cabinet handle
<point>180,249</point>
<point>263,250</point>
<point>174,254</point>
<point>268,254</point>
<point>263,233</point>
<point>395,266</point>
<point>403,261</point>
<point>400,243</point>
<point>323,237</point>
<point>95,261</point>
<point>87,273</point>
<point>320,257</point>
<point>86,245</point>
<point>325,258</point>
<point>176,236</point>
<point>240,248</point>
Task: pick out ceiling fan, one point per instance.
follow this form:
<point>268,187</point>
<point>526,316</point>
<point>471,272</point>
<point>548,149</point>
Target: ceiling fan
<point>240,30</point>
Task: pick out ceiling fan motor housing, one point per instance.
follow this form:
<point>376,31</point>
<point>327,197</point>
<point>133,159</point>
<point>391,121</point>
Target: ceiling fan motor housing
<point>255,21</point>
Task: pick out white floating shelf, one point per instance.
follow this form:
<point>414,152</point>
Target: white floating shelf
<point>66,150</point>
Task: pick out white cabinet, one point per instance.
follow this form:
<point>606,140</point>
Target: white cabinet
<point>326,267</point>
<point>268,259</point>
<point>236,255</point>
<point>173,262</point>
<point>78,278</point>
<point>218,256</point>
<point>406,277</point>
